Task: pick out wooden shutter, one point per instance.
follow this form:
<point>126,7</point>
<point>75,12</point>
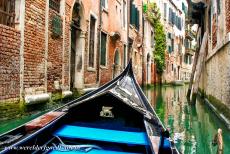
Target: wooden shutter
<point>137,19</point>
<point>165,10</point>
<point>124,57</point>
<point>91,41</point>
<point>103,48</point>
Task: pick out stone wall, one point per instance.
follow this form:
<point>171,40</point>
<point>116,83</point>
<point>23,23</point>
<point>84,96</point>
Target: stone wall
<point>9,62</point>
<point>216,76</point>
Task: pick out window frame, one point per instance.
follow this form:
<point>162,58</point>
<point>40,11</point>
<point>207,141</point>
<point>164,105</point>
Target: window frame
<point>8,15</point>
<point>105,7</point>
<point>165,11</point>
<point>92,68</point>
<point>56,8</point>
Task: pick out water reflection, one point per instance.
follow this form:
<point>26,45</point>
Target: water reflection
<point>191,127</point>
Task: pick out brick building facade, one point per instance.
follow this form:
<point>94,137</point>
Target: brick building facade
<point>52,45</point>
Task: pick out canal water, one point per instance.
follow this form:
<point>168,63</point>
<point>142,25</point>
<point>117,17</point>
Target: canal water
<point>191,127</point>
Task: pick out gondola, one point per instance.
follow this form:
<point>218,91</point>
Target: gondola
<point>114,119</point>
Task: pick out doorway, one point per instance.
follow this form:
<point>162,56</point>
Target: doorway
<point>77,48</point>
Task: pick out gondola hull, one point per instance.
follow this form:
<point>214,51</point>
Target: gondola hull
<point>116,119</point>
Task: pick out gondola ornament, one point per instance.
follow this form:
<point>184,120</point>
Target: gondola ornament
<point>106,112</point>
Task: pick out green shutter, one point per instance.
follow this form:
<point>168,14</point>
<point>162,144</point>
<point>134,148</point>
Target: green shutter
<point>132,13</point>
<point>103,3</point>
<point>137,19</point>
<point>124,56</point>
<point>103,49</point>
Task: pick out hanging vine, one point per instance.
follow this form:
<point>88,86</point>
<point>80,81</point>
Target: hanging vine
<point>153,15</point>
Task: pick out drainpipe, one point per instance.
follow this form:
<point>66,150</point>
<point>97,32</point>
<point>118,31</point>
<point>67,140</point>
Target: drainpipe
<point>143,51</point>
<point>128,19</point>
<point>99,44</point>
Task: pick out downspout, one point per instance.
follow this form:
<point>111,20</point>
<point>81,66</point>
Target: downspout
<point>99,44</point>
<point>143,51</point>
<point>128,22</point>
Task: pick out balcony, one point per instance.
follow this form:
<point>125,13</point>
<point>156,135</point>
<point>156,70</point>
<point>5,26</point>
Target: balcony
<point>190,51</point>
<point>189,34</point>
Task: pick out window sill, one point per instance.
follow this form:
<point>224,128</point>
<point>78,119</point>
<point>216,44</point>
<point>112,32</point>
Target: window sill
<point>133,27</point>
<point>105,10</point>
<point>91,69</point>
<point>103,67</point>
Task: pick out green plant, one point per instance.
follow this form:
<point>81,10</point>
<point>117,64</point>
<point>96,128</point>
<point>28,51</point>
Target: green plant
<point>153,16</point>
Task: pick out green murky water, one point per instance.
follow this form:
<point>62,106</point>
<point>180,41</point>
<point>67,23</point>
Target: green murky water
<point>191,127</point>
<point>13,115</point>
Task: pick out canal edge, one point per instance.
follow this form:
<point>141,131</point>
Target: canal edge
<point>214,109</point>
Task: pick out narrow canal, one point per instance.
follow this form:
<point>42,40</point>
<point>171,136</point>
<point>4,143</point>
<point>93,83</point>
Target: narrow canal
<point>191,127</point>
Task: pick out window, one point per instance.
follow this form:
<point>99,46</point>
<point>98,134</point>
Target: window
<point>55,5</point>
<point>134,15</point>
<point>152,39</point>
<point>104,4</point>
<point>169,49</point>
<point>92,41</point>
<point>124,14</point>
<point>103,48</point>
<point>170,16</point>
<point>173,18</point>
<point>178,22</point>
<point>125,55</point>
<point>190,59</point>
<point>218,6</point>
<point>169,35</point>
<point>184,8</point>
<point>165,10</point>
<point>172,42</point>
<point>209,21</point>
<point>7,12</point>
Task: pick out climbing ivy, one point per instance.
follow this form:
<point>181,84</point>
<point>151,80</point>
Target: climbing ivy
<point>153,16</point>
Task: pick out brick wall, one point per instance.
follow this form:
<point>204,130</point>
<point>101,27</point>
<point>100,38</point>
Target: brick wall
<point>9,62</point>
<point>34,49</point>
<point>67,46</point>
<point>227,8</point>
<point>214,32</point>
<point>54,70</point>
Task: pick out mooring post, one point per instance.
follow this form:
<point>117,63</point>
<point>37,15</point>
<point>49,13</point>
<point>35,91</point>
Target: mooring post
<point>193,74</point>
<point>218,140</point>
<point>200,65</point>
